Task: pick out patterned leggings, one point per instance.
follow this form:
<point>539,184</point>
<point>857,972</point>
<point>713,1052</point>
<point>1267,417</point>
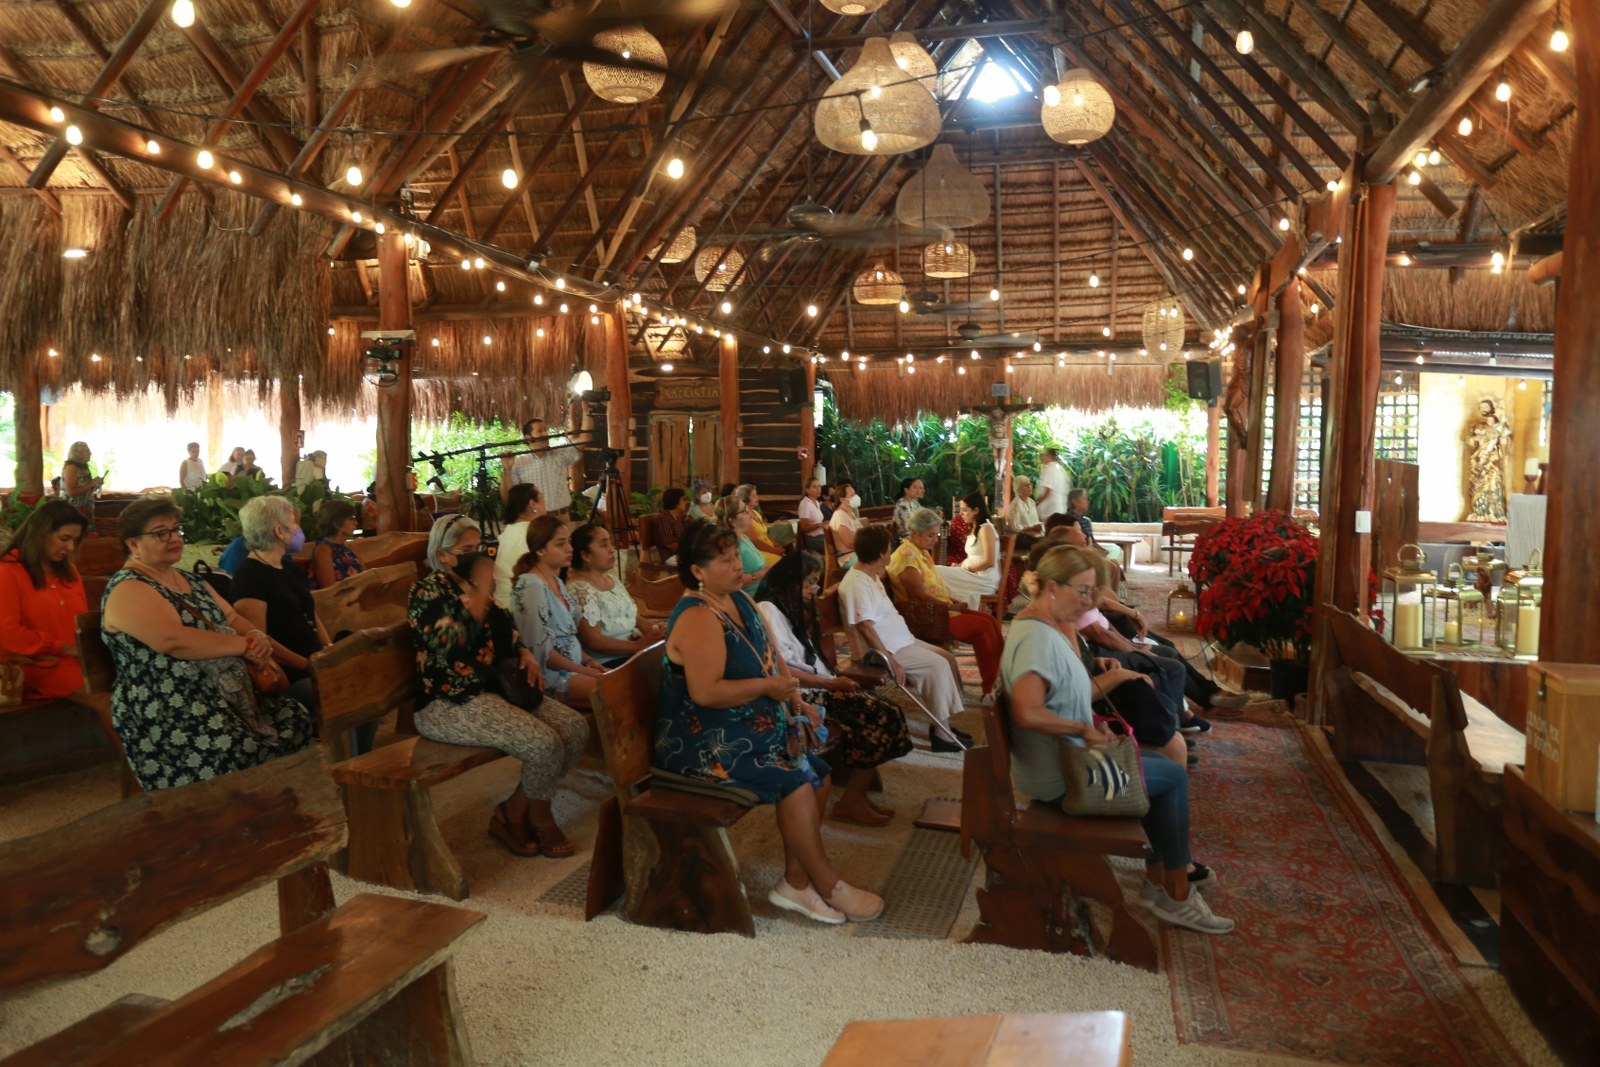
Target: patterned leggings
<point>547,741</point>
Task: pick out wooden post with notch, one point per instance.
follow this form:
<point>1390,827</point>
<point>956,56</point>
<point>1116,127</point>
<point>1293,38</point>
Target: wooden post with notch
<point>289,431</point>
<point>1290,368</point>
<point>394,400</point>
<point>728,385</point>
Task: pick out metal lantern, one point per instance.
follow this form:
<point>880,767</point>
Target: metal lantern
<point>1481,570</point>
<point>1516,630</point>
<point>876,96</point>
<point>678,249</point>
<point>1181,609</point>
<point>947,259</point>
<point>718,267</point>
<point>852,7</point>
<point>1077,109</point>
<point>943,193</point>
<point>627,85</point>
<point>880,285</point>
<point>1407,591</point>
<point>911,57</point>
<point>1163,327</point>
<point>1456,598</point>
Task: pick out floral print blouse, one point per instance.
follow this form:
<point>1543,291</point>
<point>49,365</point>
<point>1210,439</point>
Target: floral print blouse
<point>454,650</point>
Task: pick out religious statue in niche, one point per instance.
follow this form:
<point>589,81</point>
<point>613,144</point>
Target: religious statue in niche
<point>1488,439</point>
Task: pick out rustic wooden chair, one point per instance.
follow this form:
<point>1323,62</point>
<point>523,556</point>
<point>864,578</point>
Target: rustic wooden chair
<point>995,603</point>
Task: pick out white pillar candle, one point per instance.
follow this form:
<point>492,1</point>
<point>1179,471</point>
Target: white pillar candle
<point>1527,629</point>
<point>1408,625</point>
<point>1452,632</point>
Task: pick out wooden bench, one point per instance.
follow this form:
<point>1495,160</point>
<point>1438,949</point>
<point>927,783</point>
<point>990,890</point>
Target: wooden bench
<point>1387,707</point>
<point>1179,529</point>
<point>368,982</point>
<point>99,676</point>
<point>1078,1039</point>
<point>1039,862</point>
<point>677,867</point>
<point>373,598</point>
<point>43,737</point>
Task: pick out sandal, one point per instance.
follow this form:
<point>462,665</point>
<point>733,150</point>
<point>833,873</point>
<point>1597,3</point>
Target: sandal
<point>550,841</point>
<point>500,830</point>
<point>870,817</point>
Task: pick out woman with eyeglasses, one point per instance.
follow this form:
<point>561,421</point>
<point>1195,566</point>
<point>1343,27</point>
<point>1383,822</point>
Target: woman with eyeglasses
<point>733,514</point>
<point>183,701</point>
<point>1051,696</point>
<point>915,576</point>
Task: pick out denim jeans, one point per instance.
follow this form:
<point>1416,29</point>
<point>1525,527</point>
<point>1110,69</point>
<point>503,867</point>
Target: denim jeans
<point>1167,823</point>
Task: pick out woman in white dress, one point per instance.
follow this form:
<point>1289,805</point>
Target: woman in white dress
<point>978,575</point>
<point>523,505</point>
<point>608,619</point>
<point>192,471</point>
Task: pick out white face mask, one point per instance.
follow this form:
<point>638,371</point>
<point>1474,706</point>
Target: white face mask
<point>705,498</point>
<point>855,502</point>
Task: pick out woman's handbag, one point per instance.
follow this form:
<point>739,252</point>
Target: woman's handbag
<point>267,676</point>
<point>1104,780</point>
<point>10,684</point>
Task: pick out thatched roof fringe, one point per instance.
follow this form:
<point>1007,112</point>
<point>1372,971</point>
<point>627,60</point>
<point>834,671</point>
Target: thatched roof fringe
<point>30,283</point>
<point>897,396</point>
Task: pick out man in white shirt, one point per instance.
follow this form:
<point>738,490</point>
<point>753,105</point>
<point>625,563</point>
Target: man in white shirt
<point>546,469</point>
<point>1051,495</point>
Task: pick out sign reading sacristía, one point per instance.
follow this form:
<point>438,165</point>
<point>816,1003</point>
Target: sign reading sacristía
<point>687,392</point>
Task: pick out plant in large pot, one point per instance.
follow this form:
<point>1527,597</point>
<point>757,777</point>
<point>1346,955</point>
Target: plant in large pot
<point>1257,578</point>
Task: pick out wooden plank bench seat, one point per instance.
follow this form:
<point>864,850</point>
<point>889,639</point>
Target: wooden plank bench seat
<point>1038,862</point>
<point>1386,707</point>
<point>367,982</point>
<point>375,597</point>
<point>43,737</point>
<point>1076,1039</point>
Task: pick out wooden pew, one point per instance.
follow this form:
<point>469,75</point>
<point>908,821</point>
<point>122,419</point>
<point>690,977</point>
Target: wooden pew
<point>373,598</point>
<point>43,737</point>
<point>1387,707</point>
<point>368,982</point>
<point>1039,862</point>
<point>387,549</point>
<point>678,868</point>
<point>1078,1039</point>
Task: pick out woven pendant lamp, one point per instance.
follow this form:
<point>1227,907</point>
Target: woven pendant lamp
<point>947,259</point>
<point>678,249</point>
<point>852,7</point>
<point>626,85</point>
<point>1077,109</point>
<point>880,285</point>
<point>911,57</point>
<point>718,267</point>
<point>1163,327</point>
<point>942,194</point>
<point>876,95</point>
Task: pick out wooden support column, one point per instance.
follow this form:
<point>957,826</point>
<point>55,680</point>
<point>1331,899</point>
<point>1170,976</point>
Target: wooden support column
<point>289,429</point>
<point>1213,451</point>
<point>1571,630</point>
<point>394,401</point>
<point>619,413</point>
<point>1254,452</point>
<point>213,450</point>
<point>1290,365</point>
<point>30,433</point>
<point>808,429</point>
<point>728,385</point>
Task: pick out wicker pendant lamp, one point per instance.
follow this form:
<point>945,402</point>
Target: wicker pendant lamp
<point>942,194</point>
<point>947,259</point>
<point>911,57</point>
<point>852,7</point>
<point>678,249</point>
<point>626,85</point>
<point>718,267</point>
<point>875,110</point>
<point>1077,109</point>
<point>880,285</point>
<point>1163,327</point>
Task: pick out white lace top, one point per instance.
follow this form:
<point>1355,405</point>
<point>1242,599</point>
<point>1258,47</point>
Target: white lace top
<point>611,611</point>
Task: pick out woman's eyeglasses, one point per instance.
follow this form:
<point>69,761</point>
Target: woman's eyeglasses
<point>1085,592</point>
<point>164,533</point>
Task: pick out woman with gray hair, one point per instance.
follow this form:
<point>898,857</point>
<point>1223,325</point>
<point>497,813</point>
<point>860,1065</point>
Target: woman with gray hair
<point>273,595</point>
<point>77,487</point>
<point>1022,515</point>
<point>771,549</point>
<point>465,645</point>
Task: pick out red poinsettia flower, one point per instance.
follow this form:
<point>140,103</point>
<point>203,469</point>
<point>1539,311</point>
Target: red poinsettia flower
<point>1257,577</point>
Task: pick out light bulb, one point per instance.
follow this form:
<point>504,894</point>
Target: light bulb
<point>1522,384</point>
<point>353,176</point>
<point>1052,96</point>
<point>786,349</point>
<point>356,217</point>
<point>74,135</point>
<point>1105,331</point>
<point>675,168</point>
<point>1405,260</point>
<point>1558,38</point>
<point>869,138</point>
<point>1283,224</point>
<point>1245,43</point>
<point>379,228</point>
<point>994,294</point>
<point>1315,307</point>
<point>488,340</point>
<point>1241,289</point>
<point>1077,99</point>
<point>400,3</point>
<point>57,115</point>
<point>1498,259</point>
<point>593,308</point>
<point>466,264</point>
<point>905,306</point>
<point>1094,280</point>
<point>1038,347</point>
<point>538,298</point>
<point>1333,185</point>
<point>727,307</point>
<point>811,310</point>
<point>1464,128</point>
<point>435,342</point>
<point>561,283</point>
<point>1419,160</point>
<point>562,307</point>
<point>667,367</point>
<point>594,320</point>
<point>1420,360</point>
<point>1433,157</point>
<point>183,13</point>
<point>1414,177</point>
<point>499,287</point>
<point>508,178</point>
<point>152,147</point>
<point>1502,92</point>
<point>296,199</point>
<point>1188,254</point>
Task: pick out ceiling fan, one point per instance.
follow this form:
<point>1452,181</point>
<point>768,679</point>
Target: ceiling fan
<point>930,302</point>
<point>810,223</point>
<point>970,335</point>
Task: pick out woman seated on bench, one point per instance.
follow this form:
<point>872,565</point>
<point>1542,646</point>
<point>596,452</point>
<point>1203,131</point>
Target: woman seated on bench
<point>1051,695</point>
<point>543,612</point>
<point>915,577</point>
<point>461,637</point>
<point>978,575</point>
<point>725,717</point>
<point>41,597</point>
<point>332,558</point>
<point>272,595</point>
<point>866,731</point>
<point>183,702</point>
<point>608,618</point>
<point>733,514</point>
<point>523,505</point>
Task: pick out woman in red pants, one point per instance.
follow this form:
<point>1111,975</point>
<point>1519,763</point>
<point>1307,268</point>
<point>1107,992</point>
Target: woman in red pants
<point>912,571</point>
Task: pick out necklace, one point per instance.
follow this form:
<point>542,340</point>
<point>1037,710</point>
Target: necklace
<point>276,564</point>
<point>553,584</point>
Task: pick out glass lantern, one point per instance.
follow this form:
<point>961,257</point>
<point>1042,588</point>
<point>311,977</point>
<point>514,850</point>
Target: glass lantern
<point>1458,602</point>
<point>1408,594</point>
<point>1516,630</point>
<point>1181,606</point>
<point>1480,569</point>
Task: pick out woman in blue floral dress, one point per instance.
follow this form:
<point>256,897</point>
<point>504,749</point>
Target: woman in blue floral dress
<point>728,709</point>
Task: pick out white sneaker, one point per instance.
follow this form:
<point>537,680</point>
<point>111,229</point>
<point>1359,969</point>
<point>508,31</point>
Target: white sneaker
<point>1191,914</point>
<point>807,902</point>
<point>858,905</point>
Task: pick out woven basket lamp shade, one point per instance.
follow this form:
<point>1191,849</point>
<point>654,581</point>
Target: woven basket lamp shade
<point>627,85</point>
<point>852,7</point>
<point>880,285</point>
<point>718,267</point>
<point>900,110</point>
<point>1163,327</point>
<point>947,259</point>
<point>678,249</point>
<point>911,57</point>
<point>942,194</point>
<point>1083,112</point>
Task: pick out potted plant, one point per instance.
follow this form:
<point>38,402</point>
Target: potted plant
<point>1256,578</point>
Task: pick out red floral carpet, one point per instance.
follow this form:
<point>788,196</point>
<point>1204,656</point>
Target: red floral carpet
<point>1330,959</point>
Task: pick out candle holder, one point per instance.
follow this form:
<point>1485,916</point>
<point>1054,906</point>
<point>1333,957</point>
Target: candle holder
<point>1516,629</point>
<point>1407,590</point>
<point>1181,606</point>
<point>1455,598</point>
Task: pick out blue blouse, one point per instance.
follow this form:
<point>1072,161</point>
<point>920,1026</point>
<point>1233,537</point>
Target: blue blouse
<point>546,623</point>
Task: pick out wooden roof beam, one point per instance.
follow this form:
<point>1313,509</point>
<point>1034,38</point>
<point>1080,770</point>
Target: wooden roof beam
<point>10,159</point>
<point>1278,44</point>
<point>491,131</point>
<point>272,128</point>
<point>447,97</point>
<point>123,194</point>
<point>1501,29</point>
<point>116,63</point>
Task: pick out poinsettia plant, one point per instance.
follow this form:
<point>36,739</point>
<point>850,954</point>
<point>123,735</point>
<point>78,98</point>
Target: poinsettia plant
<point>1257,578</point>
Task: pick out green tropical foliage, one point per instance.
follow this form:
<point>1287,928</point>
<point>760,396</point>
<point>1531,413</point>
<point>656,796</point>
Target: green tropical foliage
<point>211,512</point>
<point>459,472</point>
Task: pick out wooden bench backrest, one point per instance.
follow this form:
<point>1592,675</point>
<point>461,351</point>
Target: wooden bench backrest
<point>390,548</point>
<point>79,897</point>
<point>99,672</point>
<point>625,702</point>
<point>1192,514</point>
<point>375,597</point>
<point>1417,682</point>
<point>364,677</point>
<point>645,530</point>
<point>988,802</point>
<point>101,556</point>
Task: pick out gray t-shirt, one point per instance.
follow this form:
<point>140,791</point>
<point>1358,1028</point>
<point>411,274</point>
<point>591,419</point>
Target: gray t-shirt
<point>1036,647</point>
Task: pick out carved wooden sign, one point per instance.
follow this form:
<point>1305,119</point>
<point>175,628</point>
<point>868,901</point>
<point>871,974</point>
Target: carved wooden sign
<point>687,393</point>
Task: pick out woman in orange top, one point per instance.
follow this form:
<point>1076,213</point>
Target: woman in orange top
<point>41,597</point>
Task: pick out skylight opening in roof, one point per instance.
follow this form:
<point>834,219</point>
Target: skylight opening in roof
<point>994,83</point>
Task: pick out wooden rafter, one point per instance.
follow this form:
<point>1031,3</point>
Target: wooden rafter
<point>1278,44</point>
<point>10,159</point>
<point>1146,240</point>
<point>271,128</point>
<point>492,129</point>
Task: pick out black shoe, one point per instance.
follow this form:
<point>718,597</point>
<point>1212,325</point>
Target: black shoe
<point>1194,761</point>
<point>1189,741</point>
<point>962,736</point>
<point>1201,875</point>
<point>940,743</point>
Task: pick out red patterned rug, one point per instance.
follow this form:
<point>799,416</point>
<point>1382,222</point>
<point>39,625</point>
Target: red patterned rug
<point>1330,959</point>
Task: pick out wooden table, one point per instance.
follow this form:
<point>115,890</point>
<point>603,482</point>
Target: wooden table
<point>1080,1039</point>
<point>1126,543</point>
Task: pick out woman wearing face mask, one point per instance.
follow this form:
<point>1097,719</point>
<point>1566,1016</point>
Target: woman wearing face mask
<point>274,596</point>
<point>845,523</point>
<point>700,505</point>
<point>811,520</point>
<point>544,616</point>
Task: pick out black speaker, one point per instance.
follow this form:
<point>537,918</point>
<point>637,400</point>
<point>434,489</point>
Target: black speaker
<point>791,388</point>
<point>1205,379</point>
